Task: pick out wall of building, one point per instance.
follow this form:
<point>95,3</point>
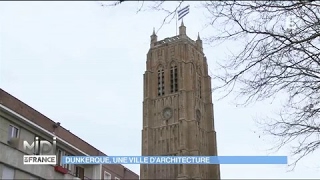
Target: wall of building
<point>28,133</point>
<point>16,173</point>
<point>12,156</point>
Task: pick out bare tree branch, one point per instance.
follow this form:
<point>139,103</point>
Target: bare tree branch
<point>274,60</point>
<point>157,6</point>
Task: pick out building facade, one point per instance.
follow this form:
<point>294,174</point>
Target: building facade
<point>177,108</point>
<point>19,122</point>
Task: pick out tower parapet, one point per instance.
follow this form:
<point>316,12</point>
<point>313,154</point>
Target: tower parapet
<point>181,37</point>
<point>199,43</point>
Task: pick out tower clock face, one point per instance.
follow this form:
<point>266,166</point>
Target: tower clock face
<point>198,115</point>
<point>167,113</point>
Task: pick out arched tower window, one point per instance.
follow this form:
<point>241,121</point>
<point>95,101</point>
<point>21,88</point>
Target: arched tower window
<point>160,81</point>
<point>174,78</point>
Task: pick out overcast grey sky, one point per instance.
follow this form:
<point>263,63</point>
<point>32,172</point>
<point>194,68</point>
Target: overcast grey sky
<point>82,64</point>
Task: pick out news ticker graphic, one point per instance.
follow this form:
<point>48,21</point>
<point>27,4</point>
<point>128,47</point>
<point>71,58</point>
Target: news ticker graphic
<point>51,159</point>
<point>40,159</point>
<point>174,160</point>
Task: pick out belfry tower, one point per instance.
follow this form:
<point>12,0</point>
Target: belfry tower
<point>177,108</point>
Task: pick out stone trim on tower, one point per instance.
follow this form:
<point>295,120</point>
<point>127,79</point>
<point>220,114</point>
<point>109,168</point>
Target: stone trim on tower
<point>161,90</point>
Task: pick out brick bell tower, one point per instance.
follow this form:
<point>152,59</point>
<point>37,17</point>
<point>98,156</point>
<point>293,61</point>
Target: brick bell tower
<point>177,108</point>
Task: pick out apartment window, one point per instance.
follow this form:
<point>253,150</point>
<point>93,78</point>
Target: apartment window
<point>59,157</point>
<point>7,173</point>
<point>107,175</point>
<point>79,172</point>
<point>174,78</point>
<point>160,82</point>
<point>68,166</point>
<point>13,132</point>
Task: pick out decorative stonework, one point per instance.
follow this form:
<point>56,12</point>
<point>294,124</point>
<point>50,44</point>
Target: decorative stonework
<point>181,124</point>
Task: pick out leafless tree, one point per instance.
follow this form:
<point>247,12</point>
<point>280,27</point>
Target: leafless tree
<point>280,54</point>
<point>278,57</point>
